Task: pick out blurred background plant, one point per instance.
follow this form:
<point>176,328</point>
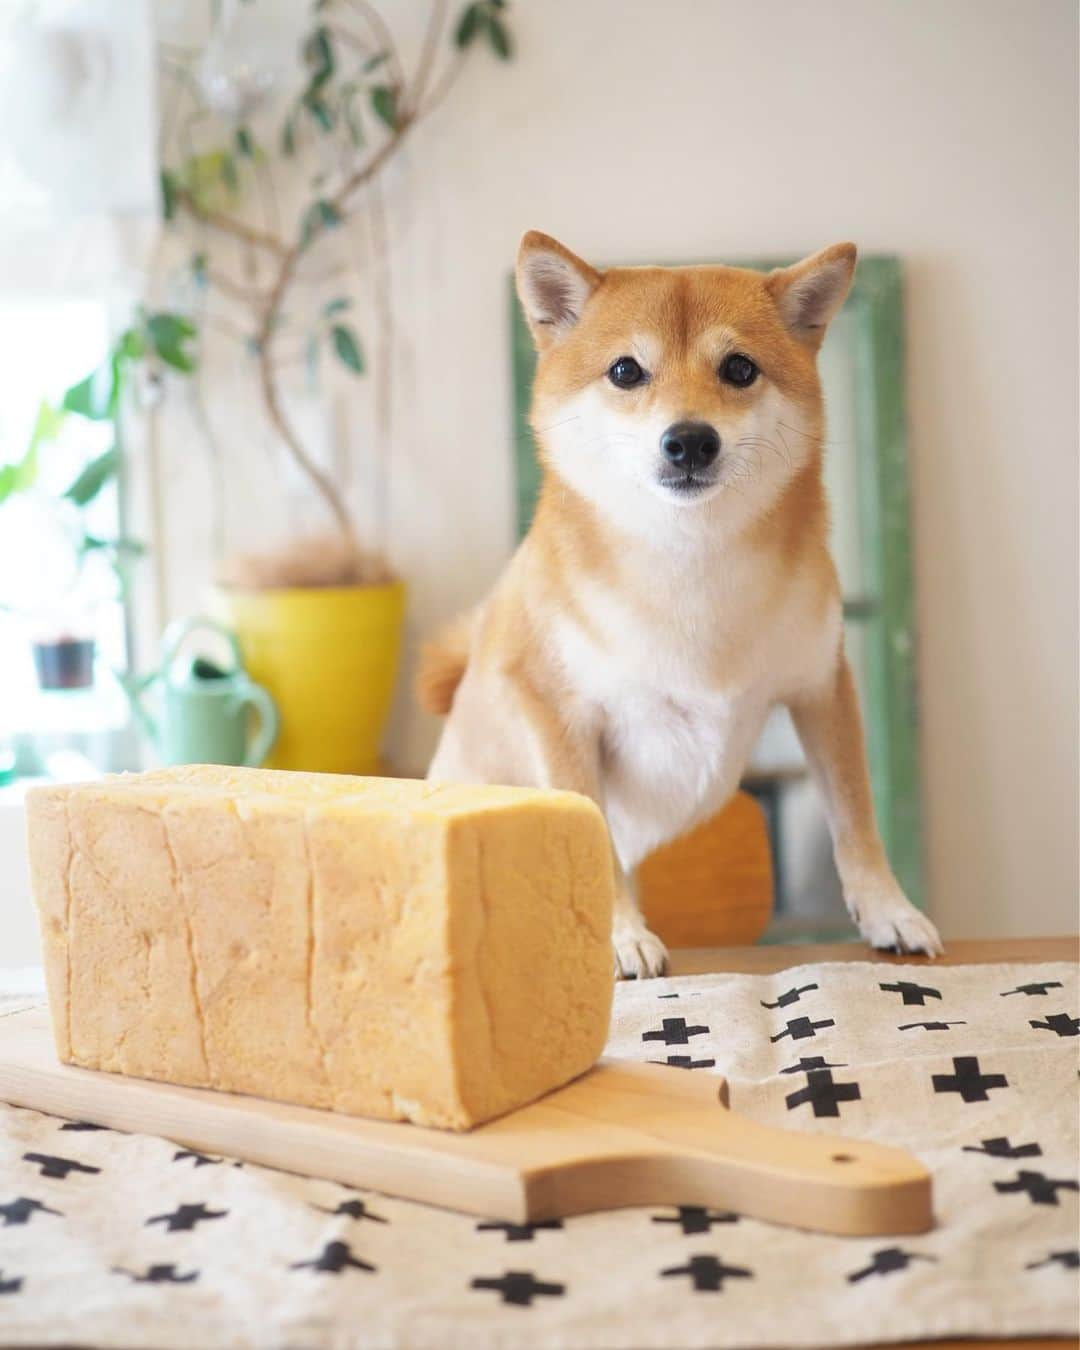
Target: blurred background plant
<point>63,503</point>
<point>330,110</point>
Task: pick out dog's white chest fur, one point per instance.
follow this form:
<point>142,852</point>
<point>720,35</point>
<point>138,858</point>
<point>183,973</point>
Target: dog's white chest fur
<point>668,761</point>
<point>674,739</point>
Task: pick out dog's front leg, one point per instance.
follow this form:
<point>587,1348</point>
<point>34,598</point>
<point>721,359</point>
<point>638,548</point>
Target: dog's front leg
<point>638,953</point>
<point>830,729</point>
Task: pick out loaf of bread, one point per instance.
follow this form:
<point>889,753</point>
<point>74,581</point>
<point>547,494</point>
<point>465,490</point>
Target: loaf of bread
<point>382,947</point>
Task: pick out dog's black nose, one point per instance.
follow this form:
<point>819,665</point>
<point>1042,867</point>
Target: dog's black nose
<point>690,445</point>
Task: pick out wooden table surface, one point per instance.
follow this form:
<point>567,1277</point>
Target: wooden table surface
<point>767,960</point>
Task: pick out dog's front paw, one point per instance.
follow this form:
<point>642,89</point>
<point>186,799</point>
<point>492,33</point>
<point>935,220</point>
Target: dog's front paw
<point>888,920</point>
<point>639,954</point>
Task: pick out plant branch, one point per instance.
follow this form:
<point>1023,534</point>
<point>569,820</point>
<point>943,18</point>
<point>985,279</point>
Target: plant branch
<point>445,84</point>
<point>383,37</point>
<point>246,295</point>
<point>227,224</point>
<point>432,35</point>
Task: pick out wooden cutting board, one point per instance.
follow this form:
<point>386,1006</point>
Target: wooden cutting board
<point>622,1134</point>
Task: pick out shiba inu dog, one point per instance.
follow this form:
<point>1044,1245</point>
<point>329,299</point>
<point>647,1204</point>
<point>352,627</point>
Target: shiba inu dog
<point>676,582</point>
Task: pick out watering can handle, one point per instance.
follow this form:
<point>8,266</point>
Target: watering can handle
<point>269,723</point>
<point>178,632</point>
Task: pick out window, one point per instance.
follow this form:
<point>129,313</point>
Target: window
<point>55,599</point>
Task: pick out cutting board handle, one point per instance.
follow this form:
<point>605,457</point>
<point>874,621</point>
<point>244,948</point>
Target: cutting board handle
<point>687,1148</point>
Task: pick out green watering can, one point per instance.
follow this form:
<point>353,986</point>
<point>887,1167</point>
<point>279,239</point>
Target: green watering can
<point>204,712</point>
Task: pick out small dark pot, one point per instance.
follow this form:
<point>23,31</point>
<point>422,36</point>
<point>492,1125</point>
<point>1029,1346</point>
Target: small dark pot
<point>67,663</point>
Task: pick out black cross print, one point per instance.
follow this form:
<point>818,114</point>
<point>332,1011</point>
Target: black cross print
<point>675,1032</point>
<point>186,1217</point>
<point>801,1028</point>
<point>1040,1189</point>
<point>931,1026</point>
<point>519,1232</point>
<point>201,1159</point>
<point>685,1062</point>
<point>19,1210</point>
<point>1061,1023</point>
<point>968,1080</point>
<point>58,1167</point>
<point>696,1219</point>
<point>10,1286</point>
<point>355,1209</point>
<point>792,996</point>
<point>159,1275</point>
<point>333,1259</point>
<point>911,993</point>
<point>708,1273</point>
<point>887,1260</point>
<point>999,1147</point>
<point>812,1062</point>
<point>823,1094</point>
<point>1034,989</point>
<point>1067,1260</point>
<point>82,1125</point>
<point>519,1287</point>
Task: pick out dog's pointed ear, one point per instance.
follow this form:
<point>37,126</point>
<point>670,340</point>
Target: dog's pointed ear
<point>809,293</point>
<point>553,285</point>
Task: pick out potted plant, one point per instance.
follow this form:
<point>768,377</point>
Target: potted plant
<point>319,620</point>
<point>62,620</point>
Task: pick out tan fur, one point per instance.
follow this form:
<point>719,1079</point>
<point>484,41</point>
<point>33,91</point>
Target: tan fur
<point>442,666</point>
<point>639,636</point>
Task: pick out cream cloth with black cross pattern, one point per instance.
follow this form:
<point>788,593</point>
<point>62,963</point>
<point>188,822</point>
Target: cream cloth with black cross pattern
<point>127,1240</point>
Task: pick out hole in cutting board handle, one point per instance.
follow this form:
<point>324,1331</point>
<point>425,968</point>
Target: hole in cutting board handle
<point>843,1157</point>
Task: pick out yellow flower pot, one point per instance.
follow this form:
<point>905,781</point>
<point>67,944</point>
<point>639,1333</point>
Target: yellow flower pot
<point>329,657</point>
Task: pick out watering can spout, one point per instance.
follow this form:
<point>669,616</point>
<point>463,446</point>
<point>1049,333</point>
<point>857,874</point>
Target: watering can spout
<point>134,686</point>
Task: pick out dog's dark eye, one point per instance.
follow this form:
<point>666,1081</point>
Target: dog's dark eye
<point>625,372</point>
<point>738,370</point>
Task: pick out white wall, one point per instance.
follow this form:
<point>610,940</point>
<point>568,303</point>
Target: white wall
<point>945,132</point>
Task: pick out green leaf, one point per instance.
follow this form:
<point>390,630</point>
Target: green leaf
<point>245,145</point>
<point>468,25</point>
<point>319,110</point>
<point>94,396</point>
<point>347,348</point>
<point>374,62</point>
<point>130,345</point>
<point>198,268</point>
<point>337,306</point>
<point>499,38</point>
<point>319,55</point>
<point>169,187</point>
<point>288,137</point>
<point>384,104</point>
<point>131,547</point>
<point>23,473</point>
<point>311,360</point>
<point>352,116</point>
<point>94,477</point>
<point>320,215</point>
<point>46,427</point>
<point>204,175</point>
<point>168,334</point>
